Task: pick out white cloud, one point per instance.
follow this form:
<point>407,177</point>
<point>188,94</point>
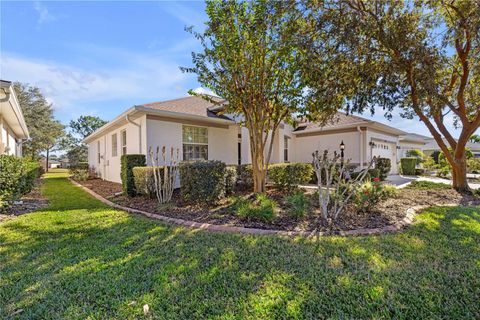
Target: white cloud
<point>43,14</point>
<point>201,90</point>
<point>139,77</point>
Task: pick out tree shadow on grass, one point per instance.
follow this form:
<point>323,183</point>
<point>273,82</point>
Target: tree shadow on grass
<point>104,263</point>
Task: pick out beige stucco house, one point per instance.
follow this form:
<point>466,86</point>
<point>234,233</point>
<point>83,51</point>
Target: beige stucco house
<point>199,131</point>
<point>13,130</point>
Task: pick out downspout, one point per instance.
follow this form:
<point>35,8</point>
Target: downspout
<point>361,146</point>
<point>104,157</point>
<point>139,126</point>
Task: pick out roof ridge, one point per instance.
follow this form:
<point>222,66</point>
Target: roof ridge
<point>165,101</point>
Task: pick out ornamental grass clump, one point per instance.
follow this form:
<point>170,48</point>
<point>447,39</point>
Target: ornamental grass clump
<point>261,209</point>
<point>298,204</point>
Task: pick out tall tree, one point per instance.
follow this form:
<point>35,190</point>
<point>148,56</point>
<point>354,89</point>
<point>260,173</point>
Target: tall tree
<point>475,138</point>
<point>420,56</point>
<point>79,130</point>
<point>250,59</point>
<point>39,118</point>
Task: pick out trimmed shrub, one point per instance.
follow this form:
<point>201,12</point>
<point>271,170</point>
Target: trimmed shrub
<point>80,165</point>
<point>144,180</point>
<point>17,177</point>
<point>245,177</point>
<point>202,181</point>
<point>408,166</point>
<point>298,204</point>
<point>80,174</point>
<point>128,162</point>
<point>371,193</point>
<point>428,185</point>
<point>286,176</point>
<point>384,165</point>
<point>262,209</point>
<point>419,171</point>
<point>230,179</point>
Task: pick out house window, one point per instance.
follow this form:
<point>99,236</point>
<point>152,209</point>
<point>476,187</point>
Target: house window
<point>99,157</point>
<point>285,149</point>
<point>195,143</point>
<point>114,145</point>
<point>123,137</point>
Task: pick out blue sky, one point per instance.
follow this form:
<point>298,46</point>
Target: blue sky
<point>100,58</point>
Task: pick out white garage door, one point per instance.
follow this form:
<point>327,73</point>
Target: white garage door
<point>386,150</point>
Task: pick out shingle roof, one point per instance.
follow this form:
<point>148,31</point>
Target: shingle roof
<point>192,105</point>
<point>340,119</point>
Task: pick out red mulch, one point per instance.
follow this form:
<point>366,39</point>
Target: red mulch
<point>386,213</point>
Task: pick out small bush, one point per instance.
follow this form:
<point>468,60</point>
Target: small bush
<point>408,166</point>
<point>80,174</point>
<point>473,165</point>
<point>230,179</point>
<point>384,165</point>
<point>245,177</point>
<point>80,165</point>
<point>144,180</point>
<point>418,154</point>
<point>17,177</point>
<point>262,209</point>
<point>202,181</point>
<point>371,193</point>
<point>419,171</point>
<point>298,204</point>
<point>128,162</point>
<point>372,174</point>
<point>428,185</point>
<point>286,176</point>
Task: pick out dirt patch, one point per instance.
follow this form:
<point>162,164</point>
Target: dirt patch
<point>106,189</point>
<point>386,213</point>
<point>30,202</point>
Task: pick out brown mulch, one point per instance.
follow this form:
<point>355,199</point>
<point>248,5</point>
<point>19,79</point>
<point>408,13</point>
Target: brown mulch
<point>106,189</point>
<point>386,213</point>
<point>33,201</point>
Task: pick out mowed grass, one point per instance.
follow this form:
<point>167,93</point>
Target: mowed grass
<point>79,259</point>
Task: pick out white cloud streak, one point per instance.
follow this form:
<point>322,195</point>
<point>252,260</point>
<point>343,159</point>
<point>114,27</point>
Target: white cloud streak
<point>43,14</point>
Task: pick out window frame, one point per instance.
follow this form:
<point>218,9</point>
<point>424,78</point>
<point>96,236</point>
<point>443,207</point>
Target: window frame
<point>114,145</point>
<point>193,144</point>
<point>286,145</point>
<point>123,141</point>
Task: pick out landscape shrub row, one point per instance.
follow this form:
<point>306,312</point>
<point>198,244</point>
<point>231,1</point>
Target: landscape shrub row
<point>286,176</point>
<point>408,165</point>
<point>128,162</point>
<point>17,177</point>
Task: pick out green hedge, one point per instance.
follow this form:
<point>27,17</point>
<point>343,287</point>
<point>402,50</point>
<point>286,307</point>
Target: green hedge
<point>372,174</point>
<point>128,162</point>
<point>245,177</point>
<point>231,177</point>
<point>17,177</point>
<point>286,176</point>
<point>384,165</point>
<point>203,181</point>
<point>144,180</point>
<point>408,166</point>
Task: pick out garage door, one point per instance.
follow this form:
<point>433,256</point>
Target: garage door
<point>386,150</point>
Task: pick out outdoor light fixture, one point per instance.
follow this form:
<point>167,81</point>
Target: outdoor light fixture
<point>342,147</point>
<point>372,144</point>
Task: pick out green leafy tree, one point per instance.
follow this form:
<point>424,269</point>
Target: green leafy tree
<point>79,130</point>
<point>474,138</point>
<point>250,58</point>
<point>44,129</point>
<point>421,57</point>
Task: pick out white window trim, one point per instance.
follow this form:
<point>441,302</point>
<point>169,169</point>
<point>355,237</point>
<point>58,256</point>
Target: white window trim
<point>114,145</point>
<point>122,142</point>
<point>194,143</point>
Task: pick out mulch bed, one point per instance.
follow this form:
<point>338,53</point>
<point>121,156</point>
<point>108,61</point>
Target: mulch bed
<point>386,213</point>
<point>30,202</point>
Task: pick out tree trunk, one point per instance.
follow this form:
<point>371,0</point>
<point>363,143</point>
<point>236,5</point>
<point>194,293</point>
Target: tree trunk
<point>46,162</point>
<point>459,175</point>
<point>259,172</point>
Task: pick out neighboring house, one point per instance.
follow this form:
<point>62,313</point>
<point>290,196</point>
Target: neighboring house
<point>13,130</point>
<point>411,141</point>
<point>432,146</point>
<point>199,131</point>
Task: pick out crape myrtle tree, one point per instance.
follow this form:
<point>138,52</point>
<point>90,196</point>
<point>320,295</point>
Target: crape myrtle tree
<point>250,58</point>
<point>419,57</point>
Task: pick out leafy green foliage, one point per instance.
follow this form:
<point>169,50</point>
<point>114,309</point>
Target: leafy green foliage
<point>17,177</point>
<point>203,181</point>
<point>245,177</point>
<point>112,263</point>
<point>287,176</point>
<point>372,174</point>
<point>144,180</point>
<point>261,209</point>
<point>45,131</point>
<point>230,179</point>
<point>128,162</point>
<point>428,185</point>
<point>80,174</point>
<point>383,165</point>
<point>371,193</point>
<point>415,153</point>
<point>408,166</point>
<point>298,204</point>
<point>473,165</point>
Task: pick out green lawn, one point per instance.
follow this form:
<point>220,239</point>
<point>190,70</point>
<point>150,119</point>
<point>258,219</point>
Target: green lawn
<point>79,259</point>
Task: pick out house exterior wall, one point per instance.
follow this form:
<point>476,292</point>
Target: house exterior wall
<point>303,146</point>
<point>405,146</point>
<point>8,141</point>
<point>109,166</point>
